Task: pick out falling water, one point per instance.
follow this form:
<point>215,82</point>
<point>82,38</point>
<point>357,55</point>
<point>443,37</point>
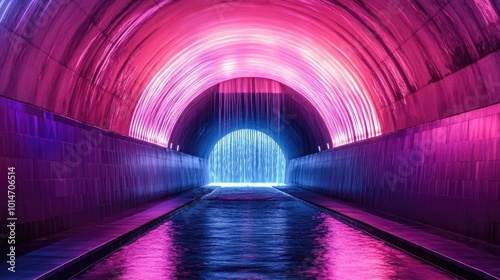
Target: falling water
<point>247,156</point>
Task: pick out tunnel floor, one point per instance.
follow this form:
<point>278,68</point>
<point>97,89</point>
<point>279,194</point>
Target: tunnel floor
<point>258,233</point>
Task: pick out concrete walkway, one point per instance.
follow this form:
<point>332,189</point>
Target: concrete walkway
<point>63,254</point>
<point>465,257</point>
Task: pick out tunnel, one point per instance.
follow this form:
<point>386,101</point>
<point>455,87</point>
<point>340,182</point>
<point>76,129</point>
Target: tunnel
<point>227,135</point>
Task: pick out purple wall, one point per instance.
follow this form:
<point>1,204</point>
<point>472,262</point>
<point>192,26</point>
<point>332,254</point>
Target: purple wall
<point>69,173</point>
<point>444,173</point>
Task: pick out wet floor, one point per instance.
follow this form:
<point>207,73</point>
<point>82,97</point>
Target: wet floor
<point>258,233</point>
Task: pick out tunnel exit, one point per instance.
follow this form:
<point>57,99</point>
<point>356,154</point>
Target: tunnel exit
<point>247,156</point>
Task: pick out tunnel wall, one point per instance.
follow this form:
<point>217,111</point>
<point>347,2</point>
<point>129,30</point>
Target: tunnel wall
<point>444,173</point>
<point>69,174</point>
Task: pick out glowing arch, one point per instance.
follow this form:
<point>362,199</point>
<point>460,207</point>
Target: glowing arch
<point>247,156</point>
<point>256,41</point>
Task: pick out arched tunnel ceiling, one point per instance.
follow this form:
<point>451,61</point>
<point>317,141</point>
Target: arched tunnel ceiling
<point>367,67</point>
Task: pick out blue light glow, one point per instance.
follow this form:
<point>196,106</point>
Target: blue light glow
<point>247,156</point>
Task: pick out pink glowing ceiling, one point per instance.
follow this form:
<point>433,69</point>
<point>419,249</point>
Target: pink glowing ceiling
<point>366,67</point>
<point>255,40</point>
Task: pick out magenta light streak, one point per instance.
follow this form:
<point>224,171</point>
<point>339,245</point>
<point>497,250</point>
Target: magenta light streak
<point>291,43</point>
<point>487,11</point>
<point>243,85</point>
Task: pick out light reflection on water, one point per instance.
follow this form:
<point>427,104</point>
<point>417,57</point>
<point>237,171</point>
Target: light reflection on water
<point>258,233</point>
<point>247,155</point>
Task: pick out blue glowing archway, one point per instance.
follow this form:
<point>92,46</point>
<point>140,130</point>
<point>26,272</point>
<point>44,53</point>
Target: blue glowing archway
<point>247,156</point>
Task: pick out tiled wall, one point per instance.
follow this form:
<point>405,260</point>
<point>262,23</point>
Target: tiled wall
<point>445,173</point>
<point>70,174</point>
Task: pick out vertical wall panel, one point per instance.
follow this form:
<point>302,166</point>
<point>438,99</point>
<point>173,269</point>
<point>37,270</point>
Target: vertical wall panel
<point>445,173</point>
<point>69,174</point>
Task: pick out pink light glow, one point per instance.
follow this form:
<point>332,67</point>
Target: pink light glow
<point>287,42</point>
<point>257,86</point>
<point>487,11</point>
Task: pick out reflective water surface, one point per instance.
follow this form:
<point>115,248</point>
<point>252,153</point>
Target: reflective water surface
<point>258,233</point>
